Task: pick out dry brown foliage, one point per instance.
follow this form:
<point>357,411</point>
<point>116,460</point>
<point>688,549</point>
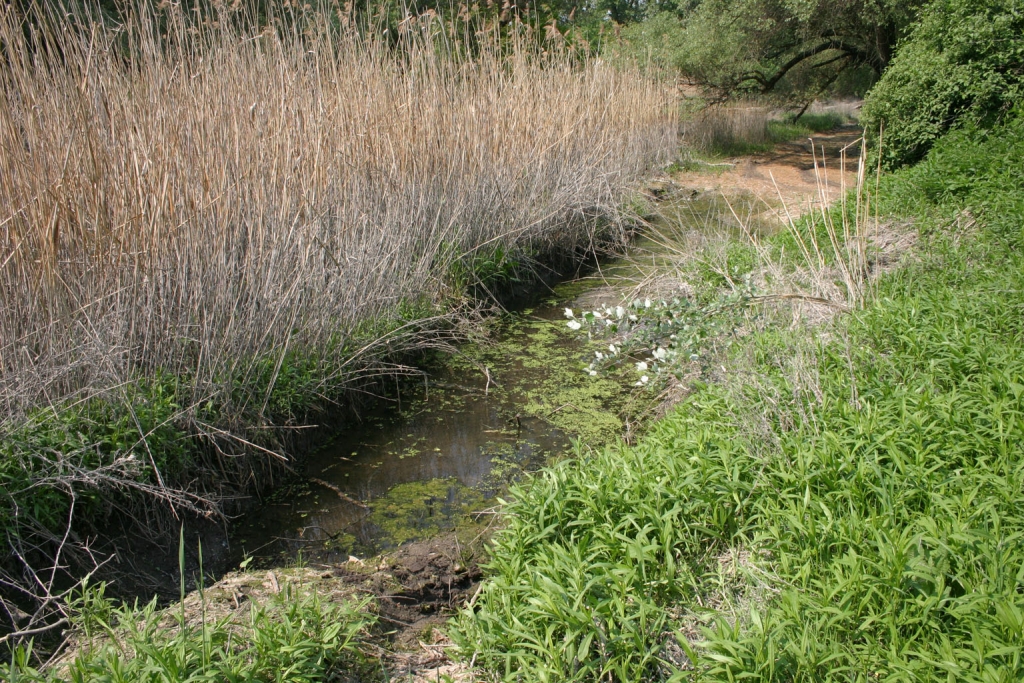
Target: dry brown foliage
<point>217,197</point>
<point>187,197</point>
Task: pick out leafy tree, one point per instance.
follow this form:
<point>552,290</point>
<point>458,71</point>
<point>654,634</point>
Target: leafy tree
<point>962,63</point>
<point>763,46</point>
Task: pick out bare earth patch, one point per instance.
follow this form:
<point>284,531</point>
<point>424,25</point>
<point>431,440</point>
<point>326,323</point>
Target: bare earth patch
<point>786,177</point>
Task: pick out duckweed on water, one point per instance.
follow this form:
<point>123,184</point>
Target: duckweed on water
<point>421,509</point>
<point>588,408</point>
<point>488,415</point>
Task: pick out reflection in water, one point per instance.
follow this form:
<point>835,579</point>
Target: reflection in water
<point>444,449</point>
<point>410,472</point>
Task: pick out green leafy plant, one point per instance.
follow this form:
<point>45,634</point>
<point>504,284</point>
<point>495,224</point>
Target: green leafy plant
<point>848,507</point>
<point>295,636</point>
<point>963,62</point>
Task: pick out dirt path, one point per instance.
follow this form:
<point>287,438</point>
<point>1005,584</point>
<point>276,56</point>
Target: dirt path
<point>785,178</point>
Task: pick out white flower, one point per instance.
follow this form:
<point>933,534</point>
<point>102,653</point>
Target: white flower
<point>659,353</point>
<point>647,303</point>
<point>632,318</point>
<point>611,347</point>
<point>597,314</point>
<point>694,356</point>
<point>641,366</point>
<point>574,324</point>
<point>593,373</point>
<point>644,379</point>
<point>600,356</point>
<point>568,313</point>
<point>620,312</point>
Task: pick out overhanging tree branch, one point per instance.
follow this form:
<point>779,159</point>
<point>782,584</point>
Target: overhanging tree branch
<point>768,83</point>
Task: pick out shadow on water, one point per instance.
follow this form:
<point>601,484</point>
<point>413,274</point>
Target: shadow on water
<point>445,448</point>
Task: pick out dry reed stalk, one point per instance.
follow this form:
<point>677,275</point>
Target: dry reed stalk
<point>843,260</point>
<point>220,198</point>
<point>722,126</point>
<point>830,271</point>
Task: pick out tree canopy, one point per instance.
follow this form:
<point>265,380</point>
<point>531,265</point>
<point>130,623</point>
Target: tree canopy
<point>764,46</point>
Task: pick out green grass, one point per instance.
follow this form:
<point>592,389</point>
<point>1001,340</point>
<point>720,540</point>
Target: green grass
<point>858,516</point>
<point>293,636</point>
<point>819,122</point>
<point>776,131</point>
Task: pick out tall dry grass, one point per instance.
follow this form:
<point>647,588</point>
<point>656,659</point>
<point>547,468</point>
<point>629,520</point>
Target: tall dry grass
<point>187,198</point>
<point>727,126</point>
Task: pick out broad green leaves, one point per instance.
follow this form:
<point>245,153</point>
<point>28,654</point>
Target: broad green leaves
<point>859,520</point>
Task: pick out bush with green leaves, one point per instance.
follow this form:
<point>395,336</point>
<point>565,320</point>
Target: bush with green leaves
<point>963,62</point>
<point>858,516</point>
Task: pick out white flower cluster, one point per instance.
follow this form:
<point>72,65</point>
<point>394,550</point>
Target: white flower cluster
<point>622,318</point>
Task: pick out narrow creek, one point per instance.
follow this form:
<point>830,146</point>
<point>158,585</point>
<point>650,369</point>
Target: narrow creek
<point>443,450</point>
<point>446,448</point>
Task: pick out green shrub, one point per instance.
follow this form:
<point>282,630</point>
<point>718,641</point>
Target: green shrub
<point>61,444</point>
<point>963,62</point>
<point>856,518</point>
<point>821,122</point>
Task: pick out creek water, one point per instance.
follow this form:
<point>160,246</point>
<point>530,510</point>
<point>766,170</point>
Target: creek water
<point>442,449</point>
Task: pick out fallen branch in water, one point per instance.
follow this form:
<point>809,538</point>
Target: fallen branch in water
<point>341,494</point>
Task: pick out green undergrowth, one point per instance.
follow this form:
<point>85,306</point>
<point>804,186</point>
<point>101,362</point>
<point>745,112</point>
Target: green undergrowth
<point>846,505</point>
<point>153,431</point>
<point>158,430</point>
<point>292,635</point>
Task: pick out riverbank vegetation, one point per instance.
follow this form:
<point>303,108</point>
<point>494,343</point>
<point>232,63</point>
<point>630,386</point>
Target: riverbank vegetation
<point>212,234</point>
<point>217,227</point>
<point>962,63</point>
<point>837,498</point>
<point>291,628</point>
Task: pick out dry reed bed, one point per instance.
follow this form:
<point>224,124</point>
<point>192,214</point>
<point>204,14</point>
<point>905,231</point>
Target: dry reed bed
<point>226,198</point>
<point>722,125</point>
<point>190,212</point>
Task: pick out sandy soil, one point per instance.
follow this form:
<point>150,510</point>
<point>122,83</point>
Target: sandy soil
<point>786,177</point>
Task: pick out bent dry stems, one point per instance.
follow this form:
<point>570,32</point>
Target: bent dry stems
<point>206,232</point>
